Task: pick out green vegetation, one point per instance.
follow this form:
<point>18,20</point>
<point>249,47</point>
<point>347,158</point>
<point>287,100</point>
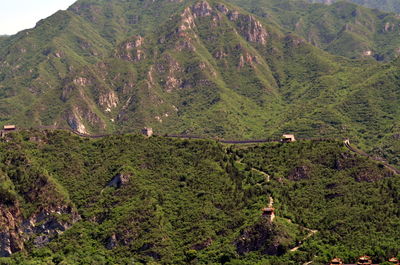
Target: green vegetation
<point>197,201</point>
<point>232,69</point>
<point>208,69</point>
<point>342,28</point>
<point>334,194</point>
<point>384,5</point>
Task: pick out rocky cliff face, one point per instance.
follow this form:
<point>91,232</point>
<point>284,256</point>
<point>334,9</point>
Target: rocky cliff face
<point>132,50</point>
<point>11,239</point>
<point>251,28</point>
<point>40,227</point>
<point>34,209</point>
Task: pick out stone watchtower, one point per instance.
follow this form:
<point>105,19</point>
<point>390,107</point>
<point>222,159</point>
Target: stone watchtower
<point>147,131</point>
<point>268,213</point>
<point>288,138</point>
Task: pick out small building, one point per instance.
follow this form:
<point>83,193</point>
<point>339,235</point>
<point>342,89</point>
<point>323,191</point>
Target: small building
<point>9,127</point>
<point>288,138</point>
<point>367,53</point>
<point>147,131</point>
<point>336,261</point>
<point>394,261</point>
<point>269,213</point>
<point>364,260</point>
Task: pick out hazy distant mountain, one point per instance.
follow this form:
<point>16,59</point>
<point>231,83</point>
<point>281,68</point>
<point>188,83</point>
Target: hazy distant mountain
<point>342,28</point>
<point>384,5</point>
<point>3,37</point>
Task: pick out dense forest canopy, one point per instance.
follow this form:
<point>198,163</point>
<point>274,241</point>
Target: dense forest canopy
<point>127,198</point>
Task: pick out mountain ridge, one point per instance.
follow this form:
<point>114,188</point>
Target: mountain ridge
<point>210,69</point>
<point>384,5</point>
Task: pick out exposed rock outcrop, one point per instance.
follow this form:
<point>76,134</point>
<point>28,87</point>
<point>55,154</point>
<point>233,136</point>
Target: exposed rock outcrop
<point>202,245</point>
<point>250,28</point>
<point>108,100</point>
<point>112,242</point>
<point>263,237</point>
<point>222,8</point>
<point>119,180</point>
<point>42,226</point>
<point>132,49</point>
<point>81,81</point>
<point>79,116</point>
<point>202,9</point>
<point>11,239</point>
<point>389,27</point>
<point>246,58</point>
<point>368,175</point>
<point>294,41</point>
<point>299,173</point>
<point>171,72</point>
<point>75,121</point>
<point>345,161</point>
<point>52,214</point>
<point>187,21</point>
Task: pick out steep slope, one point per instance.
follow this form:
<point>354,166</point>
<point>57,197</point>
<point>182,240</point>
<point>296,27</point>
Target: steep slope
<point>36,62</point>
<point>384,5</point>
<point>342,28</point>
<point>212,63</point>
<point>171,201</point>
<point>3,38</point>
<point>203,68</point>
<point>117,20</point>
<point>334,195</point>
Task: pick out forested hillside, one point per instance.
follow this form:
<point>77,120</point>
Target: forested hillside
<point>384,5</point>
<point>207,68</point>
<point>341,28</point>
<point>217,69</point>
<point>122,199</point>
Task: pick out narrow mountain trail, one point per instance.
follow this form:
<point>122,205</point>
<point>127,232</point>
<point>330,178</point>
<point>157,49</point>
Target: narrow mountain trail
<point>271,202</point>
<point>266,175</point>
<point>310,234</point>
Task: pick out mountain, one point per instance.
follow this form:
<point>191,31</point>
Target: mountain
<point>342,28</point>
<point>125,198</point>
<point>208,68</point>
<point>384,5</point>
